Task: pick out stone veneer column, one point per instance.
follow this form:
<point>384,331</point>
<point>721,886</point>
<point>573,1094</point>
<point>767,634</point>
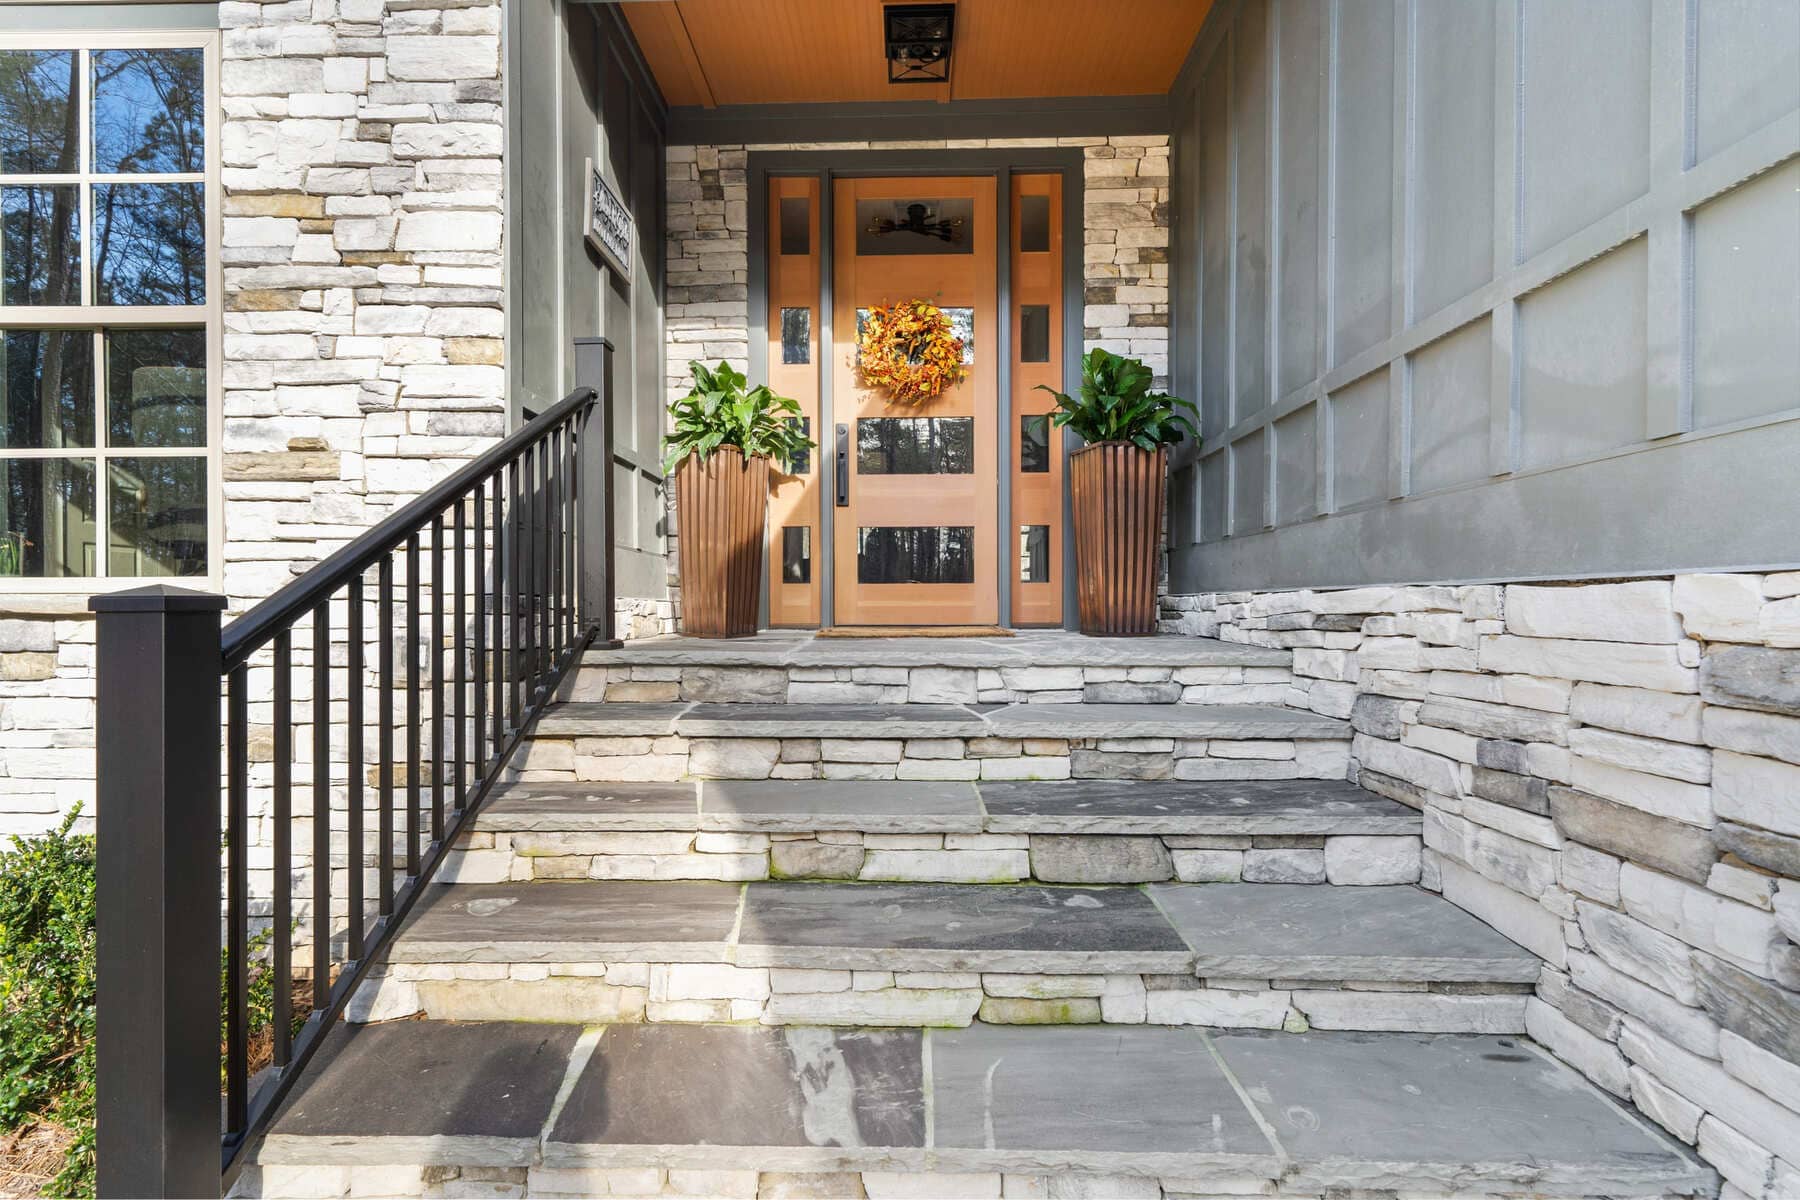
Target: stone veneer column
<point>362,179</point>
<point>1125,252</point>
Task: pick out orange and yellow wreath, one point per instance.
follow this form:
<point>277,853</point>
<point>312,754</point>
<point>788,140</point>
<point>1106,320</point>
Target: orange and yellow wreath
<point>911,350</point>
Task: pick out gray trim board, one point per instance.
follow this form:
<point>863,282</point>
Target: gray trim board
<point>999,163</point>
<point>1054,116</point>
<point>33,18</point>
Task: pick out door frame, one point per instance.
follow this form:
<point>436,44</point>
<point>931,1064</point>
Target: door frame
<point>828,166</point>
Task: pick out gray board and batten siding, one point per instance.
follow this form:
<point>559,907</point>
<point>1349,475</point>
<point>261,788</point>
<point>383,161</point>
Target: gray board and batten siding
<point>579,90</point>
<point>1487,291</point>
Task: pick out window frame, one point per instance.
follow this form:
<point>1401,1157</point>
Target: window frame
<point>97,318</point>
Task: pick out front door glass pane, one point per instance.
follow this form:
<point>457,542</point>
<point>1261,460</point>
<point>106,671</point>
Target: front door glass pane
<point>915,554</point>
<point>915,445</point>
<point>37,96</point>
<point>149,111</point>
<point>46,388</point>
<point>915,226</point>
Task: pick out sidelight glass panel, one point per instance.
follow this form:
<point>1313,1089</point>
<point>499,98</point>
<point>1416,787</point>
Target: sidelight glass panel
<point>1034,554</point>
<point>796,554</point>
<point>921,226</point>
<point>796,336</point>
<point>46,388</point>
<point>157,512</point>
<point>37,98</point>
<point>915,445</point>
<point>156,387</point>
<point>796,225</point>
<point>1034,224</point>
<point>47,518</point>
<point>802,464</point>
<point>915,554</point>
<point>149,111</point>
<point>1034,333</point>
<point>1034,444</point>
<point>149,243</point>
<point>40,245</point>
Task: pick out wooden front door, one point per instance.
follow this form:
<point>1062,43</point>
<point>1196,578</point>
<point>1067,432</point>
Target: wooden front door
<point>916,520</point>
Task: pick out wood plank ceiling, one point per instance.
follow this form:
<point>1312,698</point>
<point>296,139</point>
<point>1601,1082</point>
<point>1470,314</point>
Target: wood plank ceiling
<point>713,52</point>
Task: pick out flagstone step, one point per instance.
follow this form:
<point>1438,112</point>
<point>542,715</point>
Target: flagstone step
<point>1039,667</point>
<point>1078,831</point>
<point>1247,955</point>
<point>651,741</point>
<point>421,1107</point>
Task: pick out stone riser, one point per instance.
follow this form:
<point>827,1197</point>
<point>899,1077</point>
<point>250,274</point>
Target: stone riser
<point>708,993</point>
<point>932,857</point>
<point>934,685</point>
<point>669,757</point>
<point>293,1181</point>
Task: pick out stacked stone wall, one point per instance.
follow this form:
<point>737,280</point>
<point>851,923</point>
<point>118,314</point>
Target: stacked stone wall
<point>1125,253</point>
<point>1610,775</point>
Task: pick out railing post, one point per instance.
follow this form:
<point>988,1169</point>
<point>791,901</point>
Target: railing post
<point>593,368</point>
<point>157,816</point>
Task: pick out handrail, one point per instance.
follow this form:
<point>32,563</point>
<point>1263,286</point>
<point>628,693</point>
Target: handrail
<point>251,631</point>
<point>437,639</point>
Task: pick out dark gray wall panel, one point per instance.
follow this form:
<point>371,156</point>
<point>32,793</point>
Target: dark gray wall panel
<point>1301,30</point>
<point>1582,360</point>
<point>1363,230</point>
<point>1534,288</point>
<point>1748,69</point>
<point>1453,153</point>
<point>1747,301</point>
<point>1451,379</point>
<point>1585,113</point>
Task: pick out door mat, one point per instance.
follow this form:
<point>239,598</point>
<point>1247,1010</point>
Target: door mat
<point>913,631</point>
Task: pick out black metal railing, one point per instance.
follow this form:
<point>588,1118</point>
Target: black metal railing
<point>489,586</point>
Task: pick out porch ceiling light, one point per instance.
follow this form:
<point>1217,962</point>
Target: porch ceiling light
<point>918,41</point>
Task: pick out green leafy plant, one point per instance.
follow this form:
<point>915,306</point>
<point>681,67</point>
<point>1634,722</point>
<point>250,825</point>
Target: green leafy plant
<point>47,993</point>
<point>1117,405</point>
<point>720,412</point>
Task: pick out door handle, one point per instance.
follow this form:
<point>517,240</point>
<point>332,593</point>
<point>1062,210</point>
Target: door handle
<point>843,466</point>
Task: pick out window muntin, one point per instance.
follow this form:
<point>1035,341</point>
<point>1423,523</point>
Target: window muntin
<point>108,317</point>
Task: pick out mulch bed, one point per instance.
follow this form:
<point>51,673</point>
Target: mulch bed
<point>31,1156</point>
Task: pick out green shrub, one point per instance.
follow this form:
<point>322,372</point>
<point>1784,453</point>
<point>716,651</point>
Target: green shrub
<point>719,412</point>
<point>1116,404</point>
<point>47,992</point>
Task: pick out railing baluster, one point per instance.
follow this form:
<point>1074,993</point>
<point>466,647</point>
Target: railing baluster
<point>353,767</point>
<point>553,542</point>
<point>540,579</point>
<point>515,541</point>
<point>437,679</point>
<point>281,937</point>
<point>412,705</point>
<point>571,469</point>
<point>384,768</point>
<point>459,667</point>
<point>482,575</point>
<point>321,804</point>
<point>501,544</point>
<point>237,898</point>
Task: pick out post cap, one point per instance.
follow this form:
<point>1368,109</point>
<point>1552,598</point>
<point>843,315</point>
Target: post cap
<point>157,597</point>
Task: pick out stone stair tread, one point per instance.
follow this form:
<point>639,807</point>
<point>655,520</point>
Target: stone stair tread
<point>1027,648</point>
<point>1316,1111</point>
<point>1081,806</point>
<point>1308,931</point>
<point>1241,930</point>
<point>1228,721</point>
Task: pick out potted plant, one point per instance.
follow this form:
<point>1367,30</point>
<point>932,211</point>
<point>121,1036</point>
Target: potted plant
<point>1117,488</point>
<point>722,441</point>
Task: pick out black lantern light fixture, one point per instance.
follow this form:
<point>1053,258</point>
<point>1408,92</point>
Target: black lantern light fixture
<point>918,42</point>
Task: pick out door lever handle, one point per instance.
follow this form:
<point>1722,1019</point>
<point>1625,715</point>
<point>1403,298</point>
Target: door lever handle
<point>842,473</point>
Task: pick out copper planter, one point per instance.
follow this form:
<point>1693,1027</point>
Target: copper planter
<point>720,509</point>
<point>1117,491</point>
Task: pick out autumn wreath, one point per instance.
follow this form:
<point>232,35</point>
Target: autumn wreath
<point>911,350</point>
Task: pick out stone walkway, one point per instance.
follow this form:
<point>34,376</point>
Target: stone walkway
<point>559,1109</point>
